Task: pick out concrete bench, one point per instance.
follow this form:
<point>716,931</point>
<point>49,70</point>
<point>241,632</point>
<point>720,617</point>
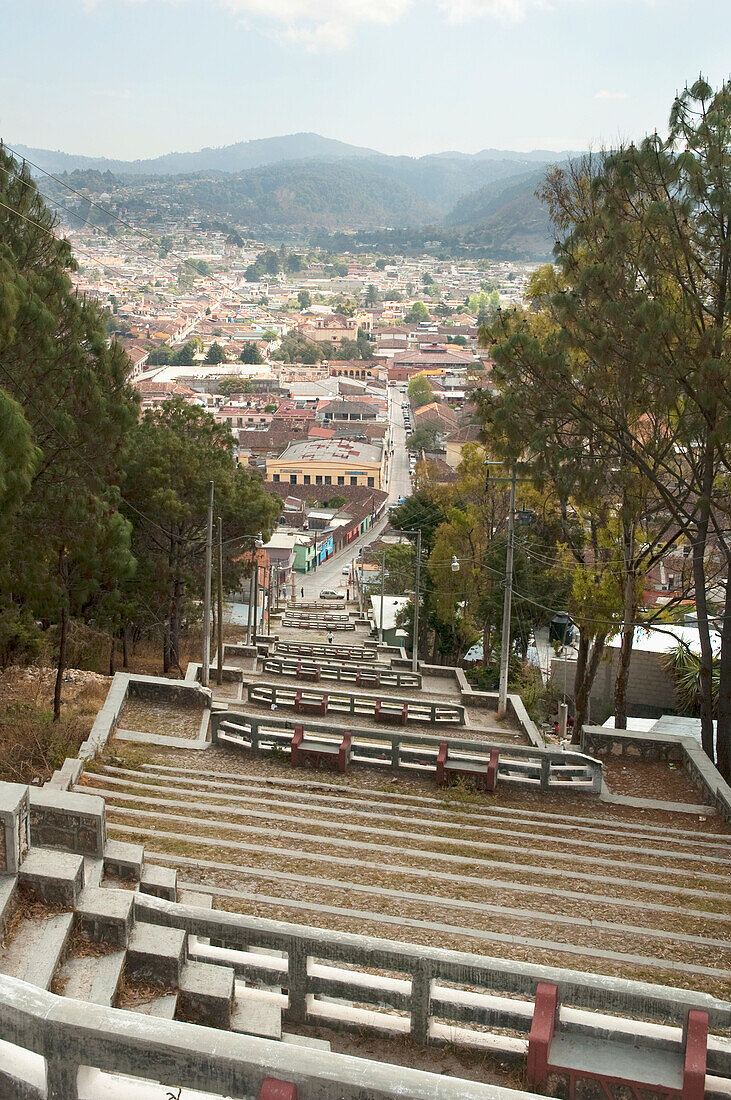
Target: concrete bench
<point>614,1062</point>
<point>304,704</point>
<point>482,773</point>
<point>320,751</point>
<point>395,713</point>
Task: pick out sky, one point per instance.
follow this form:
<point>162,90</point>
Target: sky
<point>138,78</point>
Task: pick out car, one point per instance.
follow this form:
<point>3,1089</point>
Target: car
<point>345,570</point>
<point>330,594</point>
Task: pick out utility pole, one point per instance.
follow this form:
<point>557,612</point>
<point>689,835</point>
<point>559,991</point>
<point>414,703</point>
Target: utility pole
<point>383,589</point>
<point>207,592</point>
<point>415,646</point>
<point>502,699</point>
<point>219,602</point>
<point>256,599</point>
<point>251,605</point>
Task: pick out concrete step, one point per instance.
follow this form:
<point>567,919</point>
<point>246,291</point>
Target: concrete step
<point>51,876</point>
<point>305,1041</point>
<point>164,1008</point>
<point>35,947</point>
<point>105,915</point>
<point>156,954</point>
<point>124,860</point>
<point>92,978</point>
<point>256,1013</point>
<point>161,882</point>
<point>206,994</point>
<point>8,895</point>
<point>93,871</point>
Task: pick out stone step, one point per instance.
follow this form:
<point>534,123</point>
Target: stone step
<point>51,876</point>
<point>8,896</point>
<point>161,882</point>
<point>35,947</point>
<point>206,994</point>
<point>164,1008</point>
<point>305,1041</point>
<point>256,1013</point>
<point>93,871</point>
<point>156,954</point>
<point>105,915</point>
<point>124,860</point>
<point>92,978</point>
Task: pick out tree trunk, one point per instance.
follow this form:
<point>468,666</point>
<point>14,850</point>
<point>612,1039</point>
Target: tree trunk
<point>587,664</point>
<point>628,633</point>
<point>706,662</point>
<point>125,655</point>
<point>61,658</point>
<point>485,642</point>
<point>723,733</point>
<point>111,657</point>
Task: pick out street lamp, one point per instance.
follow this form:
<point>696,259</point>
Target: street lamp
<point>455,564</point>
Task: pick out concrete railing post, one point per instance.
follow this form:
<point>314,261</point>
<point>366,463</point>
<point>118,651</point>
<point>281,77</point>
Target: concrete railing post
<point>421,979</point>
<point>61,1078</point>
<point>545,772</point>
<point>395,754</point>
<point>254,735</point>
<point>297,981</point>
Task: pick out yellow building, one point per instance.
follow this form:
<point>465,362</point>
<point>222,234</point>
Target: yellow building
<point>329,462</point>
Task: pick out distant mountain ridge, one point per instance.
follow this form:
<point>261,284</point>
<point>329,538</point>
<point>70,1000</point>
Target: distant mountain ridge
<point>311,184</point>
<point>257,153</point>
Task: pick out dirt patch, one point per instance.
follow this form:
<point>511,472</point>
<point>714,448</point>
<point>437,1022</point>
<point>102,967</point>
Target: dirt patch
<point>162,719</point>
<point>656,779</point>
<point>32,745</point>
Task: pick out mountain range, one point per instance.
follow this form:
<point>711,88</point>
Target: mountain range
<point>306,182</point>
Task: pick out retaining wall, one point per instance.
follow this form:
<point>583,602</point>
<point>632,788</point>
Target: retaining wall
<point>664,746</point>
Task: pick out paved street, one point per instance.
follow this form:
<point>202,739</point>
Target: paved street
<point>330,574</point>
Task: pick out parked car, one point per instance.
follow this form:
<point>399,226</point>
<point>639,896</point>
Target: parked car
<point>330,594</point>
<point>346,570</point>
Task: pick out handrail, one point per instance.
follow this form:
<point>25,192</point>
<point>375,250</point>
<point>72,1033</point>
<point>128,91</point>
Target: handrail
<point>223,1063</point>
<point>545,767</point>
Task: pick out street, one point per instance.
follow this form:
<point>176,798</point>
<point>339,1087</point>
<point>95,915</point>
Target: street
<point>330,573</point>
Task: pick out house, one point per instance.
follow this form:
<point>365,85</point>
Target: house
<point>329,462</point>
<point>456,442</point>
<point>329,329</point>
<point>437,415</point>
<point>392,605</point>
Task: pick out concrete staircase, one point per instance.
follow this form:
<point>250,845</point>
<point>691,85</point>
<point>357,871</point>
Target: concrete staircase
<point>522,876</point>
<point>67,924</point>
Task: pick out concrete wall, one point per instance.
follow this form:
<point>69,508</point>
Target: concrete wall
<point>650,691</point>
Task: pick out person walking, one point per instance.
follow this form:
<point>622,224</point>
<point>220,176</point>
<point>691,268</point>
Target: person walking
<point>302,592</point>
<point>330,638</point>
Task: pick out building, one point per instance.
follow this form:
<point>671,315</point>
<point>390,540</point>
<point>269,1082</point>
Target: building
<point>329,462</point>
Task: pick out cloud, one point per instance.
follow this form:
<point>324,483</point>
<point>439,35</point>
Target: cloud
<point>606,94</point>
<point>326,25</point>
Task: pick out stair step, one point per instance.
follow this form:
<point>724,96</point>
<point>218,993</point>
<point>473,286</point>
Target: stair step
<point>105,915</point>
<point>255,1013</point>
<point>305,1041</point>
<point>156,954</point>
<point>163,1007</point>
<point>92,978</point>
<point>8,885</point>
<point>54,877</point>
<point>206,994</point>
<point>200,901</point>
<point>124,860</point>
<point>93,871</point>
<point>35,948</point>
<point>161,882</point>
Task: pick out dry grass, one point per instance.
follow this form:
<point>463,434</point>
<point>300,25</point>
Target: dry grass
<point>32,745</point>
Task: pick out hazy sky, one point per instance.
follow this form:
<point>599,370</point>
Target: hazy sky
<point>136,78</point>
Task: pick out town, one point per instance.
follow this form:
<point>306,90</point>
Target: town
<point>365,644</point>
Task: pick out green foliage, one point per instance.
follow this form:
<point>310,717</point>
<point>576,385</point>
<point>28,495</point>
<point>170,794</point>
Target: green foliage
<point>175,451</point>
<point>420,390</point>
<point>685,668</point>
<point>250,354</point>
<point>215,353</point>
<point>185,356</point>
<point>426,438</point>
<point>294,348</point>
<point>305,299</point>
<point>232,385</point>
<point>417,313</point>
<point>160,356</point>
